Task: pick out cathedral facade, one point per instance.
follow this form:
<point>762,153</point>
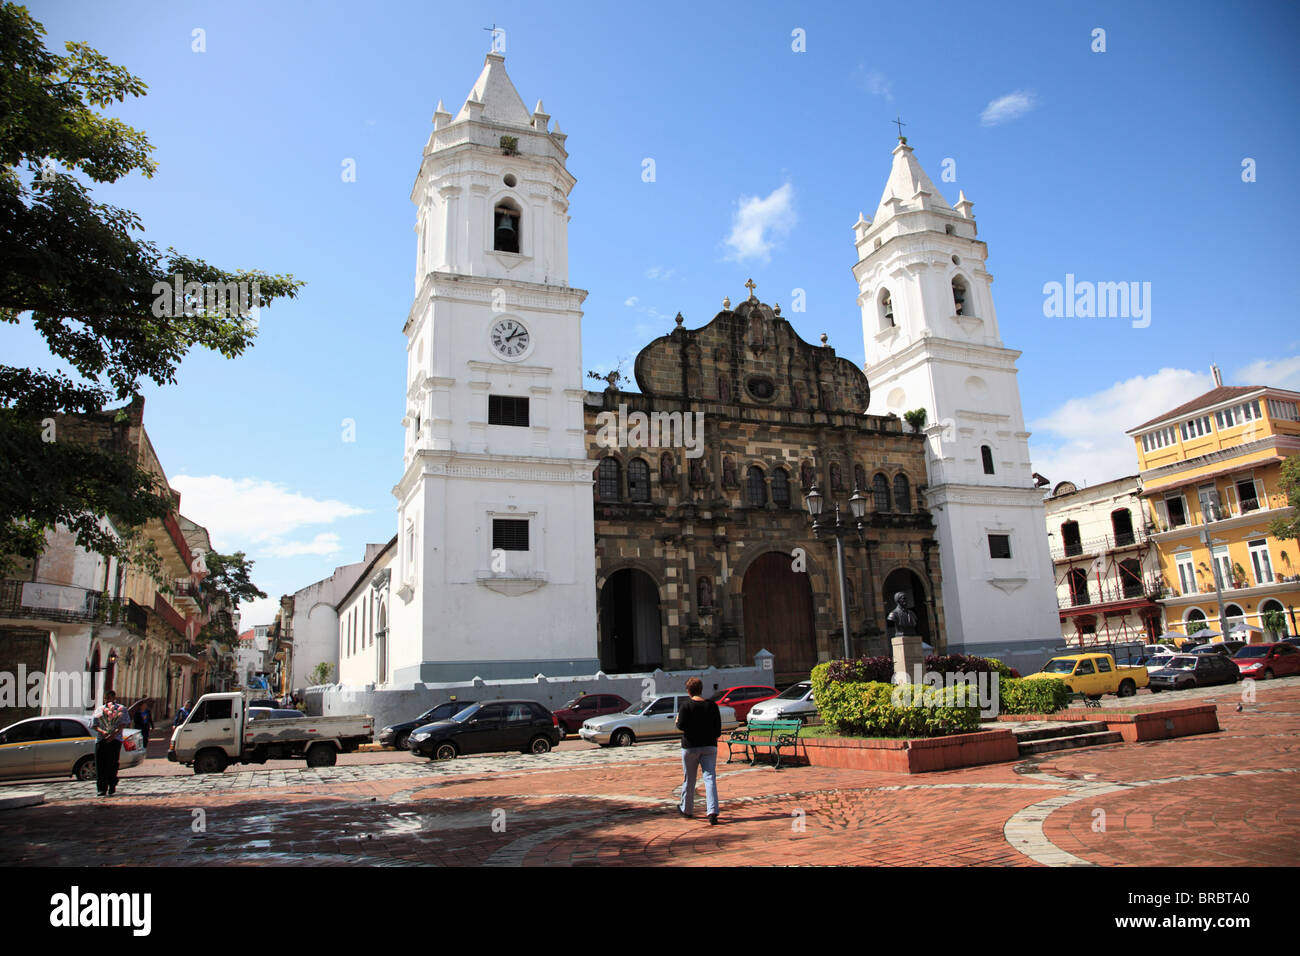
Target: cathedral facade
<point>705,553</point>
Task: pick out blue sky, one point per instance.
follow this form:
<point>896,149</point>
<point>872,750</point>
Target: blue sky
<point>1117,166</point>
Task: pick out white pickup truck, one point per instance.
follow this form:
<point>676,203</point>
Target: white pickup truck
<point>218,732</point>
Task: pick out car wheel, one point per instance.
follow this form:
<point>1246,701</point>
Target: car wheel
<point>210,761</point>
<point>539,745</point>
<point>445,751</point>
<point>85,769</point>
<point>623,738</point>
<point>401,740</point>
<point>1127,688</point>
<point>1155,690</point>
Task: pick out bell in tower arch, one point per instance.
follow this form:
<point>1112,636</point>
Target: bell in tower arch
<point>506,230</point>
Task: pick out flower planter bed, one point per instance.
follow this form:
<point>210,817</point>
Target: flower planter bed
<point>1152,723</point>
<point>915,755</point>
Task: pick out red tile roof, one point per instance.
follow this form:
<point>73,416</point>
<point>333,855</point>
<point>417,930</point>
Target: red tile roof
<point>247,635</point>
<point>1213,397</point>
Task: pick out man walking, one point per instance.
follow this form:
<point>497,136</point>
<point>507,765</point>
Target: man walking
<point>701,725</point>
<point>144,722</point>
<point>109,720</point>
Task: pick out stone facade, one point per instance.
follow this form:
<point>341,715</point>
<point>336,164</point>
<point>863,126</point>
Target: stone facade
<point>696,513</point>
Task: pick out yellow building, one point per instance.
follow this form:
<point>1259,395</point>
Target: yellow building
<point>1209,473</point>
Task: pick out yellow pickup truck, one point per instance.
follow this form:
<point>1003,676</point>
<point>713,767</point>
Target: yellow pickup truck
<point>1093,675</point>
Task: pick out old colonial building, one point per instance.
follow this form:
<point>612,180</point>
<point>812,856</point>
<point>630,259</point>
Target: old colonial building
<point>704,551</point>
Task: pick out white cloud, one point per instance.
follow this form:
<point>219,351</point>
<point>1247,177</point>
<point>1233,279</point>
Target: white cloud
<point>1083,439</point>
<point>1006,108</point>
<point>757,223</point>
<point>247,511</point>
<point>875,83</point>
<point>1280,373</point>
<point>258,611</point>
<point>324,543</point>
<point>660,273</point>
<point>631,301</point>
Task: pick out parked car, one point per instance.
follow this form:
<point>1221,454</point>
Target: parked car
<point>58,747</point>
<point>1093,675</point>
<point>572,714</point>
<point>1194,670</point>
<point>398,736</point>
<point>743,699</point>
<point>1266,661</point>
<point>498,725</point>
<point>795,701</point>
<point>645,720</point>
<point>1226,648</point>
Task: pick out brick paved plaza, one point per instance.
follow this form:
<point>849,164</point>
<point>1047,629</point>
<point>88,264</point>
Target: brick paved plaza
<point>1225,799</point>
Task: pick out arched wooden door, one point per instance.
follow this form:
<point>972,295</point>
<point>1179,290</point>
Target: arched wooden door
<point>779,616</point>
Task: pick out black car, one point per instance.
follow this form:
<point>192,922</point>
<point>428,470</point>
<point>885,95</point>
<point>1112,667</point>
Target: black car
<point>398,734</point>
<point>1194,670</point>
<point>1226,648</point>
<point>522,725</point>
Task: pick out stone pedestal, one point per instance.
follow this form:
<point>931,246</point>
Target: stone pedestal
<point>909,657</point>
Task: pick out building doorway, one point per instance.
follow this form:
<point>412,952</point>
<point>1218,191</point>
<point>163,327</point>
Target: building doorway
<point>630,631</point>
<point>778,615</point>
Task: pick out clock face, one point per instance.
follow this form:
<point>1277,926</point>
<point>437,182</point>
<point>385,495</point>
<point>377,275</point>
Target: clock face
<point>510,338</point>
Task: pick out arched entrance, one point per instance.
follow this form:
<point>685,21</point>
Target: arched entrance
<point>630,633</point>
<point>778,612</point>
<point>908,582</point>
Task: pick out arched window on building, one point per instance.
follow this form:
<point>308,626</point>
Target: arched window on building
<point>961,297</point>
<point>638,480</point>
<point>986,453</point>
<point>860,478</point>
<point>755,487</point>
<point>880,492</point>
<point>1078,579</point>
<point>607,479</point>
<point>780,488</point>
<point>886,311</point>
<point>902,494</point>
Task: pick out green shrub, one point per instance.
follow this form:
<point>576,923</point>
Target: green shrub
<point>1046,695</point>
<point>876,709</point>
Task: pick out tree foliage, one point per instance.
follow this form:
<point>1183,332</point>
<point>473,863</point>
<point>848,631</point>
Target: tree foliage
<point>77,270</point>
<point>228,582</point>
<point>1289,485</point>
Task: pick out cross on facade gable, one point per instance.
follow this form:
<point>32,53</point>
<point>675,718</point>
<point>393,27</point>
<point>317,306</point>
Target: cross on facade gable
<point>750,286</point>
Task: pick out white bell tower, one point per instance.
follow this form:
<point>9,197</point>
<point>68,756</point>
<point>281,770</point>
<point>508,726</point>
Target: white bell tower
<point>932,343</point>
<point>495,570</point>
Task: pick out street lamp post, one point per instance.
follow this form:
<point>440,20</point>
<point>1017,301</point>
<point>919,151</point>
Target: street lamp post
<point>1214,572</point>
<point>815,504</point>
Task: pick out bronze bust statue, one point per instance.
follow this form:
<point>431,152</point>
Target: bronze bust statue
<point>902,619</point>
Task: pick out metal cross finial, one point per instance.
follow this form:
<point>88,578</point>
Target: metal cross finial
<point>750,286</point>
<point>900,124</point>
<point>493,30</point>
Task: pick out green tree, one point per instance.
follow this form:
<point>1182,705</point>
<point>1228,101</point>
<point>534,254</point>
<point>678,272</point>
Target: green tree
<point>229,581</point>
<point>90,286</point>
<point>1289,484</point>
<point>321,673</point>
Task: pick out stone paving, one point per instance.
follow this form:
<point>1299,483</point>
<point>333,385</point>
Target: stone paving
<point>1221,799</point>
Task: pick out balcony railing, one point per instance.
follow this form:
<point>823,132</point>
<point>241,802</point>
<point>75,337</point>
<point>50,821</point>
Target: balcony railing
<point>1111,590</point>
<point>1222,510</point>
<point>32,600</point>
<point>1099,545</point>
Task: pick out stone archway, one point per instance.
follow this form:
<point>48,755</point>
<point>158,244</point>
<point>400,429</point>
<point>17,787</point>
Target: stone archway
<point>778,615</point>
<point>631,633</point>
<point>909,582</point>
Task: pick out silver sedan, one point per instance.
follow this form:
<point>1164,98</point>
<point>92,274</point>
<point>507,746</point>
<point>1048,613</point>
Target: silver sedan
<point>644,720</point>
<point>57,747</point>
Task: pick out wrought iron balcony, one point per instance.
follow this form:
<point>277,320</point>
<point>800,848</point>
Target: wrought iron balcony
<point>31,600</point>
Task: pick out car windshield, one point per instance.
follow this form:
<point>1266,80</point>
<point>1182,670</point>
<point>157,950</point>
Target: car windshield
<point>796,692</point>
<point>571,704</point>
<point>637,706</point>
<point>718,696</point>
<point>1059,665</point>
<point>1183,662</point>
<point>1255,651</point>
<point>466,714</point>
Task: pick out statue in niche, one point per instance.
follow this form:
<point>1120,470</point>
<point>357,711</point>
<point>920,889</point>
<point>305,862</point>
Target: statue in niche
<point>728,473</point>
<point>697,471</point>
<point>806,476</point>
<point>724,389</point>
<point>798,400</point>
<point>837,480</point>
<point>901,621</point>
<point>704,594</point>
<point>757,337</point>
<point>667,469</point>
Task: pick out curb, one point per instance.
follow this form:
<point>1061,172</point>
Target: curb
<point>21,798</point>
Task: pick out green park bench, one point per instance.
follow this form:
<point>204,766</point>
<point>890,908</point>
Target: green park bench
<point>760,735</point>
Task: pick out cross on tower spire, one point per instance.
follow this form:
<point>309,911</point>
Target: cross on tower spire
<point>900,124</point>
<point>750,286</point>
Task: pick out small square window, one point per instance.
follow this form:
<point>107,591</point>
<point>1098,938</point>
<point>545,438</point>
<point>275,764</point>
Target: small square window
<point>507,410</point>
<point>999,546</point>
<point>510,534</point>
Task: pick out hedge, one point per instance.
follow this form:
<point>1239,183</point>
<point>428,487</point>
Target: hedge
<point>880,709</point>
<point>1046,695</point>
